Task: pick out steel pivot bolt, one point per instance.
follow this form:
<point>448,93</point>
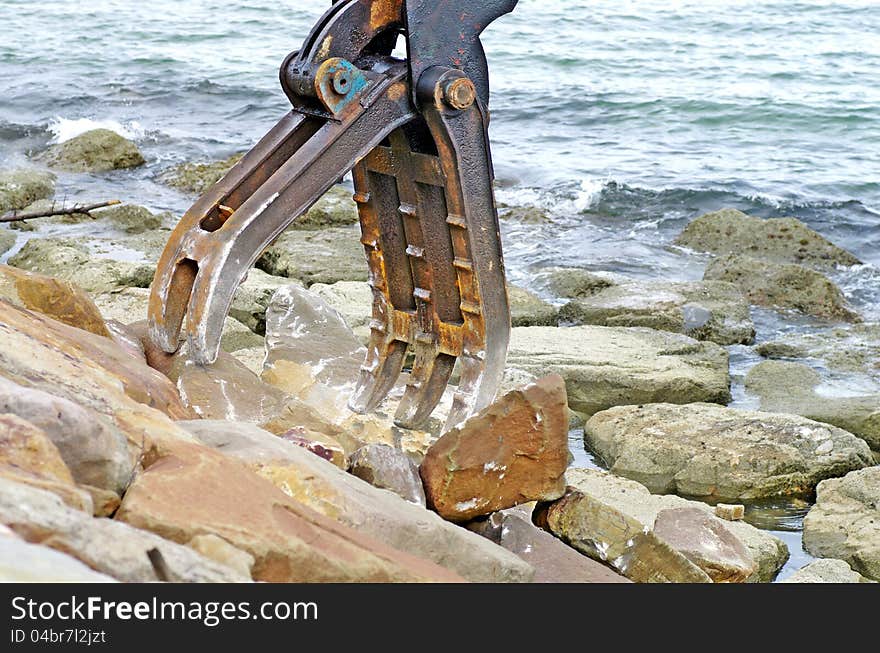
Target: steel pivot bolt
<point>459,93</point>
<point>342,81</point>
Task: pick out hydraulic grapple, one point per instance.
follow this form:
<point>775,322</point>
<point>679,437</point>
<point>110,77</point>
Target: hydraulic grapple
<point>413,132</point>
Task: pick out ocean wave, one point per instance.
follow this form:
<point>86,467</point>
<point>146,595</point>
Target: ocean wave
<point>63,129</point>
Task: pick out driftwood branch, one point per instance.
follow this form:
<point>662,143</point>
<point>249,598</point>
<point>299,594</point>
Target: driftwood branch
<point>16,216</point>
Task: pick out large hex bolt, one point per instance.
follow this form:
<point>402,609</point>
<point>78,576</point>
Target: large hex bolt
<point>459,93</point>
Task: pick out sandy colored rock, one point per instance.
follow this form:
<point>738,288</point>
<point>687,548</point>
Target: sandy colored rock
<point>57,298</point>
<point>380,514</point>
<point>730,511</point>
<point>105,545</point>
<point>601,513</point>
<point>72,261</point>
<point>608,366</point>
<point>321,256</point>
<point>786,387</point>
<point>527,309</point>
<point>320,444</point>
<point>783,240</point>
<point>705,310</point>
<point>704,450</point>
<point>845,521</point>
<point>22,562</point>
<point>826,571</point>
<point>7,240</point>
<point>97,150</point>
<point>95,451</point>
<point>221,551</point>
<point>253,297</point>
<point>131,218</point>
<point>24,186</point>
<point>572,283</point>
<point>335,209</point>
<point>650,559</point>
<point>512,452</point>
<point>196,491</point>
<point>854,348</point>
<point>198,177</point>
<point>783,286</point>
<point>104,502</point>
<point>387,468</point>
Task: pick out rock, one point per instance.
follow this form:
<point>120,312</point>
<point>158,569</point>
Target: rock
<point>845,521</point>
<point>527,309</point>
<point>94,451</point>
<point>792,388</point>
<point>554,561</point>
<point>325,447</point>
<point>97,150</point>
<point>525,214</point>
<point>252,299</point>
<point>59,299</point>
<point>72,261</point>
<point>7,240</point>
<point>198,177</point>
<point>334,209</point>
<point>131,218</point>
<point>388,468</point>
<point>704,450</point>
<point>107,546</point>
<point>196,491</point>
<point>24,186</point>
<point>219,550</point>
<point>704,540</point>
<point>28,456</point>
<point>325,256</point>
<point>44,205</point>
<point>730,511</point>
<point>705,310</point>
<point>826,571</point>
<point>105,502</point>
<point>353,300</point>
<point>377,513</point>
<point>854,348</point>
<point>607,366</point>
<point>22,562</point>
<point>601,513</point>
<point>577,282</point>
<point>512,452</point>
<point>783,286</point>
<point>649,559</point>
<point>781,240</point>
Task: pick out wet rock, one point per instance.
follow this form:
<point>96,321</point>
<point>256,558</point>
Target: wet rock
<point>28,456</point>
<point>131,218</point>
<point>59,299</point>
<point>253,297</point>
<point>782,240</point>
<point>219,550</point>
<point>198,177</point>
<point>853,348</point>
<point>323,256</point>
<point>94,451</point>
<point>603,516</point>
<point>553,561</point>
<point>705,310</point>
<point>44,205</point>
<point>783,286</point>
<point>24,186</point>
<point>527,309</point>
<point>704,540</point>
<point>826,571</point>
<point>607,366</point>
<point>334,209</point>
<point>72,261</point>
<point>730,511</point>
<point>252,358</point>
<point>388,468</point>
<point>786,387</point>
<point>97,150</point>
<point>577,282</point>
<point>105,545</point>
<point>339,496</point>
<point>22,562</point>
<point>353,300</point>
<point>845,521</point>
<point>196,491</point>
<point>704,450</point>
<point>525,214</point>
<point>7,240</point>
<point>512,452</point>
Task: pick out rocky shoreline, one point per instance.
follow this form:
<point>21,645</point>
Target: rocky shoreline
<point>253,469</point>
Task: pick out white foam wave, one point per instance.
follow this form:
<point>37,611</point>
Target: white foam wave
<point>569,200</point>
<point>66,128</point>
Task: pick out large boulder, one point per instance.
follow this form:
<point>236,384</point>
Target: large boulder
<point>194,491</point>
<point>72,261</point>
<point>782,240</point>
<point>783,286</point>
<point>24,186</point>
<point>97,150</point>
<point>23,562</point>
<point>705,310</point>
<point>786,387</point>
<point>705,450</point>
<point>379,514</point>
<point>826,571</point>
<point>573,283</point>
<point>198,177</point>
<point>388,468</point>
<point>106,546</point>
<point>321,256</point>
<point>512,452</point>
<point>606,517</point>
<point>132,219</point>
<point>527,309</point>
<point>609,366</point>
<point>252,299</point>
<point>854,348</point>
<point>845,521</point>
<point>59,299</point>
